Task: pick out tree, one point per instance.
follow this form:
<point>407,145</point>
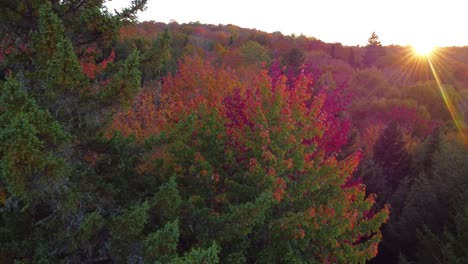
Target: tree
<point>30,146</point>
<point>391,154</point>
<point>374,50</point>
<point>294,58</point>
<point>51,117</point>
<point>254,53</point>
<point>429,208</point>
<point>155,60</point>
<point>86,21</point>
<point>373,40</point>
<point>257,181</point>
<point>448,247</point>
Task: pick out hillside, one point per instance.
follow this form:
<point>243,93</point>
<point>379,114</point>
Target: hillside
<point>126,142</point>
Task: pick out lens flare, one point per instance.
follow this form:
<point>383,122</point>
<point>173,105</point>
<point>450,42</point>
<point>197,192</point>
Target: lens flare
<point>448,102</point>
<point>423,49</point>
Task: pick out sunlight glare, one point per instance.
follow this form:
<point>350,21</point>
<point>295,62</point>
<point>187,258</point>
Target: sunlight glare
<point>423,49</point>
<point>457,118</point>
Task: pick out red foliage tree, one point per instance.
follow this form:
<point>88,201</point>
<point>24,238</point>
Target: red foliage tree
<point>90,67</point>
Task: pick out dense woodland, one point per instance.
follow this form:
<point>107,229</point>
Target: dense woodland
<point>126,142</point>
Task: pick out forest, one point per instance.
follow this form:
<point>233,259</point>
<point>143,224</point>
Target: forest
<point>124,141</point>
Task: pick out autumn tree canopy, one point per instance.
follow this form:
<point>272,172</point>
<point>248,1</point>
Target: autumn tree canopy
<point>193,143</point>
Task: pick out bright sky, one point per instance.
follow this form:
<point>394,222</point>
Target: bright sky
<point>351,22</point>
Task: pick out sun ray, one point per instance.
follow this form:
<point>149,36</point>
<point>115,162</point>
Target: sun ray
<point>431,63</point>
<point>448,102</point>
<point>414,66</point>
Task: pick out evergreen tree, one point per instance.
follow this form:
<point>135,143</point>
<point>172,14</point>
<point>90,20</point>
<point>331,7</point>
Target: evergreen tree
<point>156,60</point>
<point>391,154</point>
<point>52,120</point>
<point>294,58</point>
<point>374,50</point>
<point>425,207</point>
<point>30,144</point>
<point>374,40</point>
<point>449,246</point>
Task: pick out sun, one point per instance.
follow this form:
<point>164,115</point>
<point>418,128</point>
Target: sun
<point>423,49</point>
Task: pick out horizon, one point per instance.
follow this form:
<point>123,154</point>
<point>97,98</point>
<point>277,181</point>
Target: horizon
<point>349,23</point>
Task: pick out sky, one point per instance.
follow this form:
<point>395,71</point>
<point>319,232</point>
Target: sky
<point>351,22</point>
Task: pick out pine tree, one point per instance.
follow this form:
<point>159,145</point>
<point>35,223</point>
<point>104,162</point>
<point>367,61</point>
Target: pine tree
<point>125,83</point>
<point>374,50</point>
<point>52,122</point>
<point>30,139</point>
<point>33,171</point>
<point>391,154</point>
<point>449,246</point>
<point>374,40</point>
<point>156,60</point>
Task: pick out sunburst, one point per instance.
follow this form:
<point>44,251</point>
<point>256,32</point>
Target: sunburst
<point>423,49</point>
<point>424,58</point>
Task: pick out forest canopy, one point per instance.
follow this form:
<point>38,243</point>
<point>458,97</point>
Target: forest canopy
<point>144,142</point>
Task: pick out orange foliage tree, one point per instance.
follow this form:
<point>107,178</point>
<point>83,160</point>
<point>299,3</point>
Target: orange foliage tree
<point>197,81</point>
